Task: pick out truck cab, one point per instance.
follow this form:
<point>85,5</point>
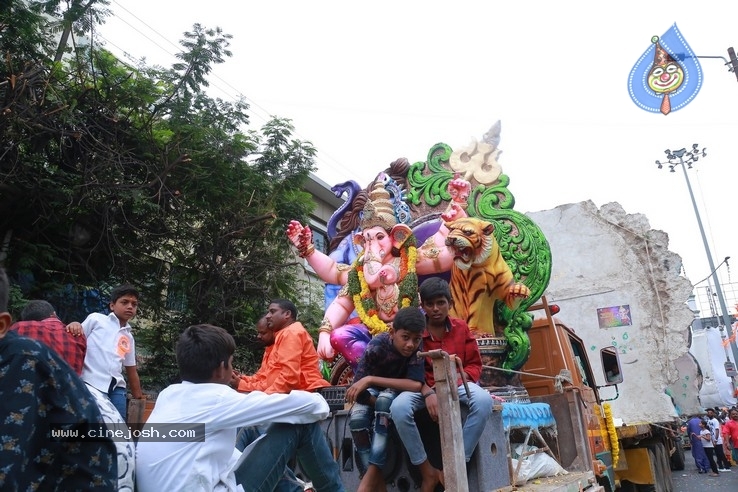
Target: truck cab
<point>558,372</point>
<point>631,456</point>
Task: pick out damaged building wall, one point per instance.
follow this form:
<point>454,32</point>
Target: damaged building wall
<point>618,284</point>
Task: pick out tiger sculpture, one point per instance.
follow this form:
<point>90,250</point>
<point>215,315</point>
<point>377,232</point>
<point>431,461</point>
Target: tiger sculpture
<point>480,276</point>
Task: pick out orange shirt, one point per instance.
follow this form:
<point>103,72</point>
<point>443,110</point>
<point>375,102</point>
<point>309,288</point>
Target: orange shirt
<point>291,363</point>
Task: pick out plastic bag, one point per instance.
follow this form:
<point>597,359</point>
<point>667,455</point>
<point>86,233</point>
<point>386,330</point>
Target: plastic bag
<point>539,465</point>
<point>523,473</point>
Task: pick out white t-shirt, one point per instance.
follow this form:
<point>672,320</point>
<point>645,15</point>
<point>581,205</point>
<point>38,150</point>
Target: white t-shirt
<point>706,438</point>
<point>109,348</point>
<point>714,425</point>
<point>207,465</point>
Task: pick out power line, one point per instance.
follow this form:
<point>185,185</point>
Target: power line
<point>335,166</point>
<point>145,24</point>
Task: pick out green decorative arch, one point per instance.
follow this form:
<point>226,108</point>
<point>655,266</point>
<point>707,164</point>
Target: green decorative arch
<point>521,241</point>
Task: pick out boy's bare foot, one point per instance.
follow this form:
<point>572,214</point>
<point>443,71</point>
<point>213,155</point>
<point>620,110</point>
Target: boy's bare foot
<point>431,477</point>
<point>373,481</point>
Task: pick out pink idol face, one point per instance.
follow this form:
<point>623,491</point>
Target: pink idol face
<point>377,243</point>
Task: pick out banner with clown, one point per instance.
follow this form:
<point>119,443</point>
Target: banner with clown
<point>667,76</point>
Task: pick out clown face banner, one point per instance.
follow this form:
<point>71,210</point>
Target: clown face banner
<point>667,76</point>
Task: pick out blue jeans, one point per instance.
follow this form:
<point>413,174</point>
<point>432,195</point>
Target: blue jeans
<point>263,468</point>
<point>247,435</point>
<point>371,450</point>
<point>118,397</point>
<point>407,403</point>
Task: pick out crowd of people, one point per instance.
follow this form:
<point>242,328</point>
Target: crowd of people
<point>40,395</point>
<point>714,440</point>
<point>254,428</point>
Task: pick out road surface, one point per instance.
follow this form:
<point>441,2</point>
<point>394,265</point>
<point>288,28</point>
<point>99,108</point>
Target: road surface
<point>689,480</point>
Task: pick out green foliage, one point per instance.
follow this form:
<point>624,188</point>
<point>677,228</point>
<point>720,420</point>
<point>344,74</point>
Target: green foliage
<point>16,302</point>
<point>111,173</point>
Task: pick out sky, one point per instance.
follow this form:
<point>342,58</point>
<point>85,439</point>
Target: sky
<point>368,82</point>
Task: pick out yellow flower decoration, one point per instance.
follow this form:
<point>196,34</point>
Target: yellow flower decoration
<point>603,425</point>
<point>614,444</point>
<point>364,303</point>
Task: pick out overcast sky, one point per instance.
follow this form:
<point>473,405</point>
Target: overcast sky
<point>368,82</point>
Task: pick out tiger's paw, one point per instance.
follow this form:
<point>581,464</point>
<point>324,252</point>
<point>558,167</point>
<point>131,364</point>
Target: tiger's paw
<point>516,294</point>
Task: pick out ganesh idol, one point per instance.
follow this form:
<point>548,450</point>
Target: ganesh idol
<point>383,278</point>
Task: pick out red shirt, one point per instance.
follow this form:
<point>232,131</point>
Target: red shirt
<point>457,340</point>
<point>730,429</point>
<point>53,333</point>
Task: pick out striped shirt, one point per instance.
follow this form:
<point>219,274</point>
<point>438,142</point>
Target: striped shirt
<point>53,333</point>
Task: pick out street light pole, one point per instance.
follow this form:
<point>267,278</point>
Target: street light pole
<point>686,158</point>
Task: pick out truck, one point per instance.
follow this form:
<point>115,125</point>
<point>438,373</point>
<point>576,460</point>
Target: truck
<point>587,379</point>
<point>566,427</point>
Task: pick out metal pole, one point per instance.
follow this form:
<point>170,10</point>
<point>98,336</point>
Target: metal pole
<point>733,61</point>
<point>726,316</point>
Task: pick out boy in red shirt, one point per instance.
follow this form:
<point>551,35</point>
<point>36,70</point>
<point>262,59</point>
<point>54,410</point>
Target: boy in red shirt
<point>453,336</point>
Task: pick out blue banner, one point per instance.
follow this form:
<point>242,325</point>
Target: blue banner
<point>667,76</point>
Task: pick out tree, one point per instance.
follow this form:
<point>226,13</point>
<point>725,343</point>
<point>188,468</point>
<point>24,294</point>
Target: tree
<point>112,173</point>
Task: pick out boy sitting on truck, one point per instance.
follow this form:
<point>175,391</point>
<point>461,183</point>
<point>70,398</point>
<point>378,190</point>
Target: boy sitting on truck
<point>453,336</point>
<point>389,365</point>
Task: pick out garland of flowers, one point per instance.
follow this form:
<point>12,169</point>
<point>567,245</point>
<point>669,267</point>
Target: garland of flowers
<point>364,303</point>
<point>614,444</point>
<point>603,425</point>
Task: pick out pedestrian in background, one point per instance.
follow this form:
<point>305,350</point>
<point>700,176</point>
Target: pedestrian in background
<point>715,427</point>
<point>730,432</point>
<point>708,444</point>
<point>694,427</point>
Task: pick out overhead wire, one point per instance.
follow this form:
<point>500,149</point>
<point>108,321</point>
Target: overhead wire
<point>263,115</point>
<point>134,59</point>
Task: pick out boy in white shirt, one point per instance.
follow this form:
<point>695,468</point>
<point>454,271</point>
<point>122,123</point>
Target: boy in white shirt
<point>722,461</point>
<point>211,462</point>
<point>110,347</point>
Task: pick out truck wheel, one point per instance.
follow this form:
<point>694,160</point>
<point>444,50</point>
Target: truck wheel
<point>605,483</point>
<point>627,486</point>
<point>662,468</point>
<point>342,374</point>
<point>677,459</point>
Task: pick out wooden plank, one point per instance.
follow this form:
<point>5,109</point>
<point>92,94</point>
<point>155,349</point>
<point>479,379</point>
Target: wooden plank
<point>449,421</point>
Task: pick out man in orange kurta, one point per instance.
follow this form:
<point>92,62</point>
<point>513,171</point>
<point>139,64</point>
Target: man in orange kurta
<point>290,360</point>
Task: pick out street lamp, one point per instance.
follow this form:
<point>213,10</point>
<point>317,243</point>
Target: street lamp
<point>686,158</point>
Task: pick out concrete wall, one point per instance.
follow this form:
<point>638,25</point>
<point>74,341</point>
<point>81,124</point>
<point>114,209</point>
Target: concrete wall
<point>604,259</point>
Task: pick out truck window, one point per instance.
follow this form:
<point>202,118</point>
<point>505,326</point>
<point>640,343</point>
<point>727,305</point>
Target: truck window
<point>611,365</point>
<point>582,373</point>
<point>585,371</point>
